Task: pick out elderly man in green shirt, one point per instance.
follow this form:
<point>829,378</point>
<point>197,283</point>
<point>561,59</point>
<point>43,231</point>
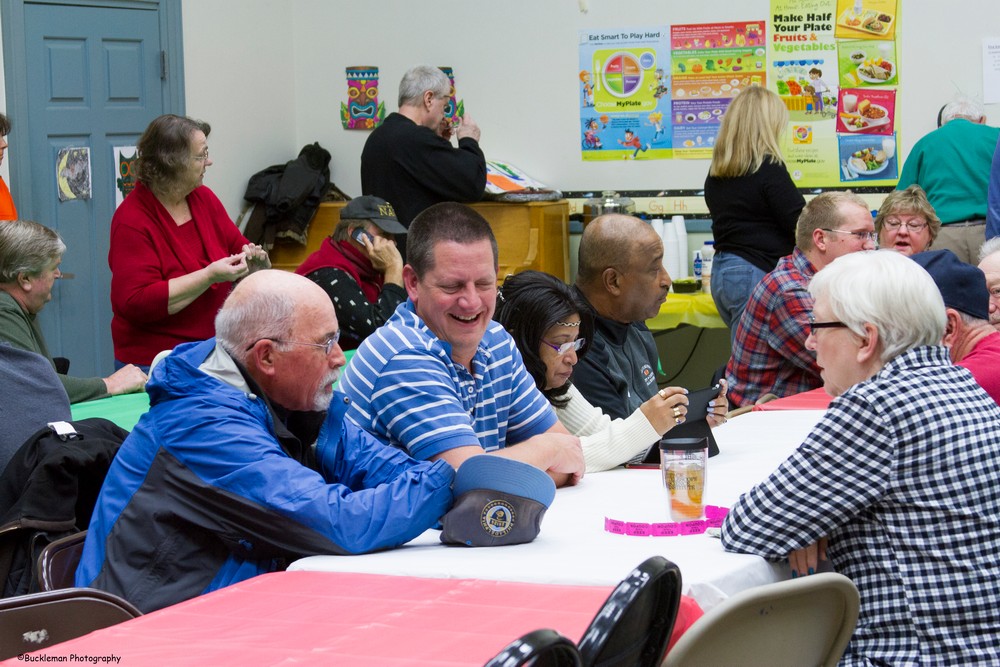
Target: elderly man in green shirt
<point>952,165</point>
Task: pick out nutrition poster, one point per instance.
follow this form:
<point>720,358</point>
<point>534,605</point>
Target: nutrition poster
<point>712,63</point>
<point>834,65</point>
<point>624,94</point>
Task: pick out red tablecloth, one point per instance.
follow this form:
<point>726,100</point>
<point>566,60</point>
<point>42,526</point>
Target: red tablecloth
<point>325,618</point>
<point>817,399</point>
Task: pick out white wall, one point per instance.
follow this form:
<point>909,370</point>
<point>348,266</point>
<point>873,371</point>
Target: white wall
<point>239,70</point>
<point>269,76</point>
<point>516,62</point>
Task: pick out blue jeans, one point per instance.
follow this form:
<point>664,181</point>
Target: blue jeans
<point>733,279</point>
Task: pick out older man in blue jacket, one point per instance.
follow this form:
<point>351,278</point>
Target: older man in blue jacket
<point>220,481</point>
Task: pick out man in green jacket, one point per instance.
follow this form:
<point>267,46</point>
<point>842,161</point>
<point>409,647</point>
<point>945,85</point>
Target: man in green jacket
<point>952,165</point>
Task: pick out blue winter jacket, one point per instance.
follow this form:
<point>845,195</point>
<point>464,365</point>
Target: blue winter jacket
<point>204,493</point>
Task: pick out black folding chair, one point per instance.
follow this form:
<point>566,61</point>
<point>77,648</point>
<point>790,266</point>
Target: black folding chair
<point>541,648</point>
<point>634,625</point>
<point>56,567</point>
<point>39,620</point>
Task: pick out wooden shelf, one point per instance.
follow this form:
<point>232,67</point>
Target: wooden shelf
<point>533,235</point>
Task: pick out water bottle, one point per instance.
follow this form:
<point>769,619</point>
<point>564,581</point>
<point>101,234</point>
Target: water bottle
<point>680,230</point>
<point>707,255</point>
<point>699,263</point>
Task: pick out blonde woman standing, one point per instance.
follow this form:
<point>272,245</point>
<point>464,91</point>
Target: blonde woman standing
<point>753,202</point>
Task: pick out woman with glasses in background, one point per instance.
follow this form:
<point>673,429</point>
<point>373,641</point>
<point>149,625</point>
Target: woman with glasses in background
<point>175,252</point>
<point>906,221</point>
<point>551,327</point>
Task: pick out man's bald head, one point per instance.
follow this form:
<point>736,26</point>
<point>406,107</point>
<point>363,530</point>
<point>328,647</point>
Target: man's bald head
<point>621,268</point>
<point>610,241</point>
<point>266,304</point>
<point>282,328</point>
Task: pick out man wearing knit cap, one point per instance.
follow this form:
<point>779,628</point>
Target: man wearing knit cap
<point>972,342</point>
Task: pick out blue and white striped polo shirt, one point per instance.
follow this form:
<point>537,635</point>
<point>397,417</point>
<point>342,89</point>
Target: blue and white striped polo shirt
<point>406,390</point>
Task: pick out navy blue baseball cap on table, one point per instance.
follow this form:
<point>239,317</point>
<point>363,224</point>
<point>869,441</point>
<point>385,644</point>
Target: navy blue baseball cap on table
<point>498,501</point>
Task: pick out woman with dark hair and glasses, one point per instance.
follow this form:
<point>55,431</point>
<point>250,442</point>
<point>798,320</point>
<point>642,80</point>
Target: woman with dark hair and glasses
<point>551,327</point>
<point>174,252</point>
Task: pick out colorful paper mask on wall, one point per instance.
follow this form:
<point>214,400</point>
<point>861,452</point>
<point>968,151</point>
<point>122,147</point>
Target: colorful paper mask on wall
<point>455,108</point>
<point>125,157</point>
<point>362,111</point>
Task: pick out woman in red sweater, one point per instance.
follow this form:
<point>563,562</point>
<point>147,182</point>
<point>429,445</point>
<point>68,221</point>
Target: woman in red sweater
<point>174,253</point>
<point>7,209</point>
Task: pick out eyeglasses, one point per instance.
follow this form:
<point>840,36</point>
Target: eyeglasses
<point>566,348</point>
<point>861,236</point>
<point>896,223</point>
<point>327,347</point>
<point>813,324</point>
<point>200,158</point>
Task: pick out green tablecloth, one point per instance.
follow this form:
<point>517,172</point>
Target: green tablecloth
<point>692,341</point>
<point>123,410</point>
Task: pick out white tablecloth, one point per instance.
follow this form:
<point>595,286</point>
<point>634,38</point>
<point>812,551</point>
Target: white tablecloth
<point>574,548</point>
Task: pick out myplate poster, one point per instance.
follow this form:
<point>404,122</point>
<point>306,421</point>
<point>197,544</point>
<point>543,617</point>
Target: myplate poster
<point>834,64</point>
<point>712,63</point>
<point>624,84</point>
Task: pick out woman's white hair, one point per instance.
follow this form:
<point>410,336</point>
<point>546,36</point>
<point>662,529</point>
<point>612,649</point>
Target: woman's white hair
<point>888,290</point>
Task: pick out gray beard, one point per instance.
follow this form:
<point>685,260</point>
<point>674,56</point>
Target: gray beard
<point>321,401</point>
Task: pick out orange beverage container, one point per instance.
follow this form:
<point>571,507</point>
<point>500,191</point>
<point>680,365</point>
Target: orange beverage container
<point>683,465</point>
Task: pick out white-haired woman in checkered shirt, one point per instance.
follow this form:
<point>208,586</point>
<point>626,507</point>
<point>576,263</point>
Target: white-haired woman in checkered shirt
<point>899,483</point>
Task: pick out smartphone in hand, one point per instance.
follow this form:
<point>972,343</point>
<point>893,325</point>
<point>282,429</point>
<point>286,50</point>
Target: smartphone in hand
<point>698,402</point>
<point>359,234</point>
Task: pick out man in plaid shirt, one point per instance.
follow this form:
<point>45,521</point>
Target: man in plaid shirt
<point>769,352</point>
<point>897,483</point>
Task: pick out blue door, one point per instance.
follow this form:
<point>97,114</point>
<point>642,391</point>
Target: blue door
<point>93,79</point>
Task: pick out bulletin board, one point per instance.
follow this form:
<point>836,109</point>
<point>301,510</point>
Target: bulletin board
<point>517,67</point>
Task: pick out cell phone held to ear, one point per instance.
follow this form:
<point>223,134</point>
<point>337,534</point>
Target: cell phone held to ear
<point>359,234</point>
